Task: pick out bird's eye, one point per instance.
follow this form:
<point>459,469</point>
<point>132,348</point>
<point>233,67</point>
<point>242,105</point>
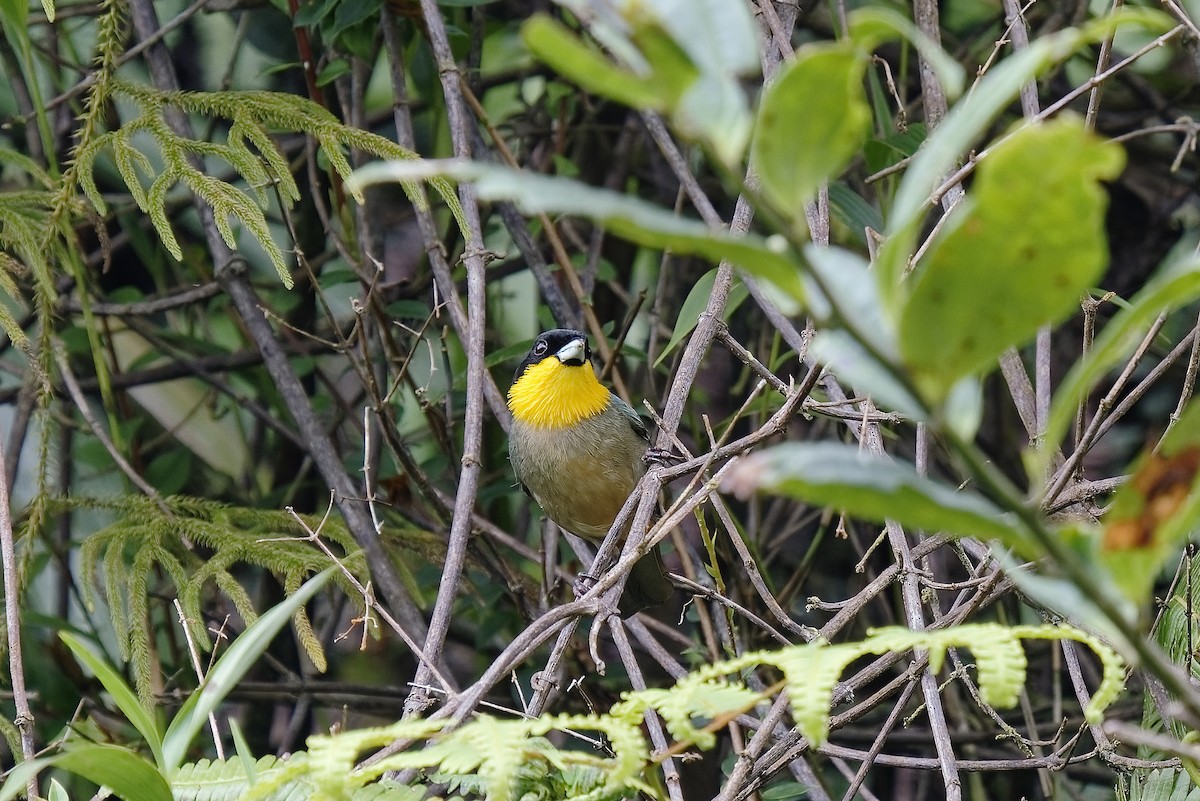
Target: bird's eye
<point>539,348</point>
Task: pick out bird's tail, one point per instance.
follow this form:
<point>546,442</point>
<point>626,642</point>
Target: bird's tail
<point>647,585</point>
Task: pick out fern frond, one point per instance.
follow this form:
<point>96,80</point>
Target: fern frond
<point>217,780</point>
<point>14,158</point>
<point>492,756</point>
<point>146,542</point>
<point>11,735</point>
<point>252,115</point>
<point>156,205</point>
<point>141,657</point>
<point>227,201</point>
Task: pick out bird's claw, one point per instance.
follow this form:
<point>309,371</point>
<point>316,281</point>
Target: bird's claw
<point>661,456</point>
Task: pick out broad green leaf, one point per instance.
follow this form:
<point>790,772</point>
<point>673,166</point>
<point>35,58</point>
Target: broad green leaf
<point>969,119</point>
<point>843,477</point>
<point>122,694</point>
<point>846,358</point>
<point>14,13</point>
<point>720,42</point>
<point>117,768</point>
<point>694,304</point>
<point>125,773</point>
<point>963,409</point>
<point>568,55</point>
<point>1017,254</point>
<point>627,217</point>
<point>812,120</point>
<point>714,111</point>
<point>1153,513</point>
<point>718,36</point>
<point>242,655</point>
<point>680,56</point>
<point>841,292</point>
<point>1176,285</point>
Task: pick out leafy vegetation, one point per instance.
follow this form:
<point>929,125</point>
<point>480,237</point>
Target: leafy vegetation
<point>921,355</point>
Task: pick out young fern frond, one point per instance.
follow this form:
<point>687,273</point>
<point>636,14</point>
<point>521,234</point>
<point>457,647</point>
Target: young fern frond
<point>499,752</point>
<point>226,780</point>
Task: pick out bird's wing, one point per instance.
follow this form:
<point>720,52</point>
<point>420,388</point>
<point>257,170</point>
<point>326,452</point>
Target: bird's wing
<point>635,422</point>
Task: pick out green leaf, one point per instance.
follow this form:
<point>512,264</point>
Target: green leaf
<point>15,13</point>
<point>122,694</point>
<point>968,120</point>
<point>1017,254</point>
<point>812,120</point>
<point>852,363</point>
<point>573,58</point>
<point>843,477</point>
<point>125,773</point>
<point>694,304</point>
<point>841,278</point>
<point>1175,285</point>
<point>720,41</point>
<point>963,409</point>
<point>857,214</point>
<point>718,36</point>
<point>627,217</point>
<point>242,655</point>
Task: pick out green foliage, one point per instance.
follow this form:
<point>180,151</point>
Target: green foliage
<point>683,57</point>
<point>512,759</point>
<point>129,775</point>
<point>842,476</point>
<point>148,541</point>
<point>812,120</point>
<point>227,780</point>
<point>625,216</point>
<point>248,150</point>
<point>1156,511</point>
<point>1013,256</point>
<point>1177,283</point>
<point>500,753</point>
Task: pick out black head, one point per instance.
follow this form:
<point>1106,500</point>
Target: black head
<point>549,344</point>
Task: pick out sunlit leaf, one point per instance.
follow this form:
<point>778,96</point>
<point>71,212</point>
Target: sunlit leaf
<point>812,120</point>
<point>242,655</point>
<point>628,217</point>
<point>843,477</point>
<point>969,119</point>
<point>568,55</point>
<point>1017,254</point>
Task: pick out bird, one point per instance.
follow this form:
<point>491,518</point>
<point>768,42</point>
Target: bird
<point>579,450</point>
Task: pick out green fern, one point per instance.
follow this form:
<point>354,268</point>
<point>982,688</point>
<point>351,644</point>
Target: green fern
<point>502,755</point>
<point>248,149</point>
<point>218,780</point>
<point>147,541</point>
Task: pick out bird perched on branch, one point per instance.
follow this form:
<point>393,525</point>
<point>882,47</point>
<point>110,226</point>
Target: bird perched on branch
<point>578,450</point>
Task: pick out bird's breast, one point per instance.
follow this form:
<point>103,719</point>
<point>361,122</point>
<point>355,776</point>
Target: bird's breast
<point>581,476</point>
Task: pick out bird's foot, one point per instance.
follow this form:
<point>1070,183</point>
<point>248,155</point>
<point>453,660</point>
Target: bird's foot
<point>583,583</point>
<point>662,457</point>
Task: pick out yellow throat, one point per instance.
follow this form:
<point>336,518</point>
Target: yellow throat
<point>551,394</point>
